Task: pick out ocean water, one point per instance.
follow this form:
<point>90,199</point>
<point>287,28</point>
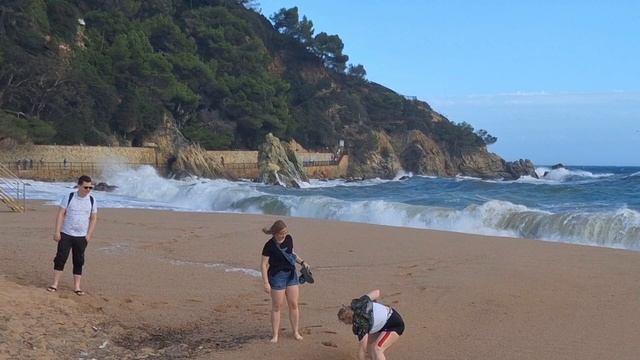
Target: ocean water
<point>597,206</point>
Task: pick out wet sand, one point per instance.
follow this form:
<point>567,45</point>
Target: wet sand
<point>166,285</point>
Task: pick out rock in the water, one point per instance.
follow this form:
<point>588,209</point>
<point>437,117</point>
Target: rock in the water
<point>104,187</point>
<point>193,160</point>
<point>279,165</point>
<point>520,168</point>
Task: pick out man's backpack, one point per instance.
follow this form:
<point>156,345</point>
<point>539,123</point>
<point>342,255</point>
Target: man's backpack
<point>71,197</point>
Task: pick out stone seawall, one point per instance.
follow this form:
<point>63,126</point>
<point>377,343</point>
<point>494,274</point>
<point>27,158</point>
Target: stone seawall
<point>76,154</point>
<point>66,163</point>
<point>233,157</point>
<point>328,171</point>
<point>317,165</point>
<point>56,171</point>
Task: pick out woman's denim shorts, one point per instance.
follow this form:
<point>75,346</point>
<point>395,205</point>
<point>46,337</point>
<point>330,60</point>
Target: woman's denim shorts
<point>282,279</point>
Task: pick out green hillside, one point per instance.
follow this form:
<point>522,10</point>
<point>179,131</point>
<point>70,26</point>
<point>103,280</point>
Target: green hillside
<point>107,73</point>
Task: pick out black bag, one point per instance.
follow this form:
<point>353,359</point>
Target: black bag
<point>305,273</point>
<point>306,276</point>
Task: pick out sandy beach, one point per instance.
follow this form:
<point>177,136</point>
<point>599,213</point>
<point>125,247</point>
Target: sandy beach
<point>170,285</point>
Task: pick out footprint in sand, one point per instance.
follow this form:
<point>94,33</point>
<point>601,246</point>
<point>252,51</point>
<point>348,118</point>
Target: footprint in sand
<point>224,308</point>
<point>221,308</point>
<point>128,301</point>
<point>329,344</point>
<point>407,266</point>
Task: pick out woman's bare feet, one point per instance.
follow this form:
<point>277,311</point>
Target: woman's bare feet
<point>274,340</point>
<point>297,336</point>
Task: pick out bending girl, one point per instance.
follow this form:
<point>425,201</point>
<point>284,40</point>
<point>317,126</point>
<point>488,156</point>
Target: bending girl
<point>377,326</point>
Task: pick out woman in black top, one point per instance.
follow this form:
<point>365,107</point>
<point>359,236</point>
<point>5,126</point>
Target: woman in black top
<point>279,276</point>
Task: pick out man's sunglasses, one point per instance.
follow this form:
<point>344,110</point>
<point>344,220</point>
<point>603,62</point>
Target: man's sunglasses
<point>88,187</point>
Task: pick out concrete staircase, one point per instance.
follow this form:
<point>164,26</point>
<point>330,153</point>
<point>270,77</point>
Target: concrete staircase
<point>12,190</point>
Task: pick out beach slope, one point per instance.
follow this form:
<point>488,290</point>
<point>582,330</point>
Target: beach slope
<point>164,284</point>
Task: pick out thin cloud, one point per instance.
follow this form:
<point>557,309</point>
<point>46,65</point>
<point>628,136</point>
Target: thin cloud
<point>539,98</point>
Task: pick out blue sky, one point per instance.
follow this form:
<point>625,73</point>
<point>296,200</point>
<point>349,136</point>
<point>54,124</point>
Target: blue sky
<point>555,81</point>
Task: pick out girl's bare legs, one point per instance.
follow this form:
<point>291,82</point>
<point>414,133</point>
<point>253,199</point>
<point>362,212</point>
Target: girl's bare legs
<point>277,300</point>
<point>382,343</point>
<point>293,293</point>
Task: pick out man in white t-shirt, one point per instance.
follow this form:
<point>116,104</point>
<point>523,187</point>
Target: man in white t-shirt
<point>75,223</point>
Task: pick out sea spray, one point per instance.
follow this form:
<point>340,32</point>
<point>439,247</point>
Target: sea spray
<point>583,206</point>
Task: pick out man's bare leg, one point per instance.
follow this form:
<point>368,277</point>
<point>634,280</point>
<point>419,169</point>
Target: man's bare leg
<point>56,280</point>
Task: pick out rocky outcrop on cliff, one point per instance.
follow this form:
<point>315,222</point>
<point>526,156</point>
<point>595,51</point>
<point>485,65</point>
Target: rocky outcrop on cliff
<point>478,163</point>
<point>485,165</point>
<point>182,157</point>
<point>418,153</point>
<point>278,164</point>
<point>380,161</point>
<point>193,160</point>
<point>167,140</point>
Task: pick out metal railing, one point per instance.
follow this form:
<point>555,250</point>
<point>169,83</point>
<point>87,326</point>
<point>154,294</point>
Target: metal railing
<point>12,190</point>
<point>311,163</point>
<point>305,163</point>
<point>240,166</point>
<point>30,166</point>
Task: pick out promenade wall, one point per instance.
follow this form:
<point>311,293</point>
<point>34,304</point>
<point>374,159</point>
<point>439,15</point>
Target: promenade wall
<point>66,163</point>
<point>84,154</point>
<point>318,169</point>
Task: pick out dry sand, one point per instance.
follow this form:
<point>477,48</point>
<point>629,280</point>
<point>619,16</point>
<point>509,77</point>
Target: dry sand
<point>154,292</point>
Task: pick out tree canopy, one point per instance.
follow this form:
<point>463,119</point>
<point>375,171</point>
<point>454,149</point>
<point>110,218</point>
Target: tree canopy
<point>110,72</point>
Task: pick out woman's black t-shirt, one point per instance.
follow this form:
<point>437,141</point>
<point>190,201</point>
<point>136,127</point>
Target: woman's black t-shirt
<point>277,260</point>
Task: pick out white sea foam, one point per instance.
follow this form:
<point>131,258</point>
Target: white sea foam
<point>315,183</point>
<point>227,268</point>
<point>250,272</point>
<point>565,174</point>
<point>403,174</point>
<point>144,188</point>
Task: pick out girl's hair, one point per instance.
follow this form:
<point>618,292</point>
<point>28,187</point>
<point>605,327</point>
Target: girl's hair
<point>345,314</point>
<point>275,228</point>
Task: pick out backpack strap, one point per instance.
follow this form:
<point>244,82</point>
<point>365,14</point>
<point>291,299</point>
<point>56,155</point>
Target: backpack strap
<point>291,258</point>
<point>71,197</point>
